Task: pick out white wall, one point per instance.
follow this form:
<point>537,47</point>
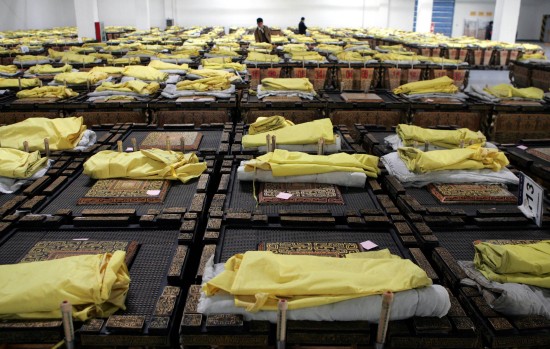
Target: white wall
<point>463,9</point>
<point>23,14</point>
<point>36,14</point>
<point>401,14</point>
<point>530,18</point>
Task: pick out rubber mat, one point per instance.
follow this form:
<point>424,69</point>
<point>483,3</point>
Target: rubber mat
<point>241,198</point>
<point>148,271</point>
<point>179,195</point>
<point>238,240</point>
<point>460,243</point>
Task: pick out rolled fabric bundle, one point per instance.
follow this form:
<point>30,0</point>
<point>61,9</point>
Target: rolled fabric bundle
<point>257,279</point>
<point>262,57</point>
<point>287,163</point>
<point>80,78</point>
<point>442,138</point>
<point>471,158</point>
<point>509,91</point>
<point>524,264</point>
<point>270,123</point>
<point>62,133</point>
<point>306,56</point>
<point>134,86</point>
<point>61,92</point>
<point>19,164</point>
<point>211,73</point>
<point>218,83</point>
<point>440,85</point>
<point>287,84</point>
<point>160,65</point>
<point>109,70</point>
<point>95,285</point>
<point>144,164</point>
<point>48,69</point>
<point>16,83</point>
<point>8,69</point>
<point>144,73</point>
<point>305,133</point>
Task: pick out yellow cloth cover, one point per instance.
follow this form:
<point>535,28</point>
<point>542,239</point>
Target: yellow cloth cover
<point>270,123</point>
<point>305,133</point>
<point>442,138</point>
<point>95,285</point>
<point>509,91</point>
<point>440,85</point>
<point>160,65</point>
<point>14,83</point>
<point>61,92</point>
<point>218,83</point>
<point>216,61</point>
<point>102,56</point>
<point>221,52</point>
<point>287,84</point>
<point>124,60</point>
<point>145,164</point>
<point>286,163</point>
<point>352,56</point>
<point>258,279</point>
<point>8,69</point>
<point>262,57</point>
<point>330,48</point>
<point>234,66</point>
<point>19,164</point>
<point>63,133</point>
<point>134,86</point>
<point>471,158</point>
<point>528,56</point>
<point>306,56</point>
<point>525,264</point>
<point>29,58</point>
<point>49,69</point>
<point>179,56</point>
<point>76,58</point>
<point>211,73</point>
<point>108,70</point>
<point>144,73</point>
<point>80,78</point>
<point>294,48</point>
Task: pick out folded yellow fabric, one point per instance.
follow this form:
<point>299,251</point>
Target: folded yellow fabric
<point>231,66</point>
<point>80,78</point>
<point>95,285</point>
<point>160,65</point>
<point>509,91</point>
<point>262,57</point>
<point>134,86</point>
<point>294,48</point>
<point>145,164</point>
<point>30,58</point>
<point>352,56</point>
<point>124,60</point>
<point>218,83</point>
<point>258,279</point>
<point>528,56</point>
<point>525,264</point>
<point>144,73</point>
<point>402,56</point>
<point>304,133</point>
<point>440,85</point>
<point>14,83</point>
<point>49,69</point>
<point>19,164</point>
<point>61,92</point>
<point>471,158</point>
<point>330,48</point>
<point>174,56</point>
<point>102,56</point>
<point>442,138</point>
<point>286,163</point>
<point>76,58</point>
<point>306,56</point>
<point>265,45</point>
<point>287,84</point>
<point>210,73</point>
<point>270,123</point>
<point>63,133</point>
<point>216,61</point>
<point>221,52</point>
<point>8,69</point>
<point>108,70</point>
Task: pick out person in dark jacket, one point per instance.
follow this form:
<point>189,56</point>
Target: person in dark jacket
<point>489,31</point>
<point>262,32</point>
<point>302,27</point>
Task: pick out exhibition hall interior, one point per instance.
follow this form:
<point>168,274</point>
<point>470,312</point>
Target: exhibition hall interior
<point>299,174</point>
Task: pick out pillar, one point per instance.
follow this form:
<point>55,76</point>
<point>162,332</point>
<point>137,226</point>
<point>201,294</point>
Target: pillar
<point>86,15</point>
<point>505,23</point>
<point>143,15</point>
<point>424,10</point>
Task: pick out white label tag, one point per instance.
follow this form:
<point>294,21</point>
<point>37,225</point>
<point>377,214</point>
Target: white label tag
<point>531,197</point>
<point>24,49</point>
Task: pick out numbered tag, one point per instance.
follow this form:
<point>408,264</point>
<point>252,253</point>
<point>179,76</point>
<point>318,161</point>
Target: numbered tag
<point>24,49</point>
<point>299,72</point>
<point>531,198</point>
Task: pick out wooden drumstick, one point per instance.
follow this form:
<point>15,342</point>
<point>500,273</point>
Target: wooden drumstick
<point>387,299</point>
<point>134,144</point>
<point>168,145</point>
<point>119,146</point>
<point>47,147</point>
<point>268,142</point>
<point>273,143</point>
<point>281,323</point>
<point>182,144</point>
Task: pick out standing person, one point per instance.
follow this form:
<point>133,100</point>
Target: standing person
<point>489,31</point>
<point>302,26</point>
<point>262,32</point>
